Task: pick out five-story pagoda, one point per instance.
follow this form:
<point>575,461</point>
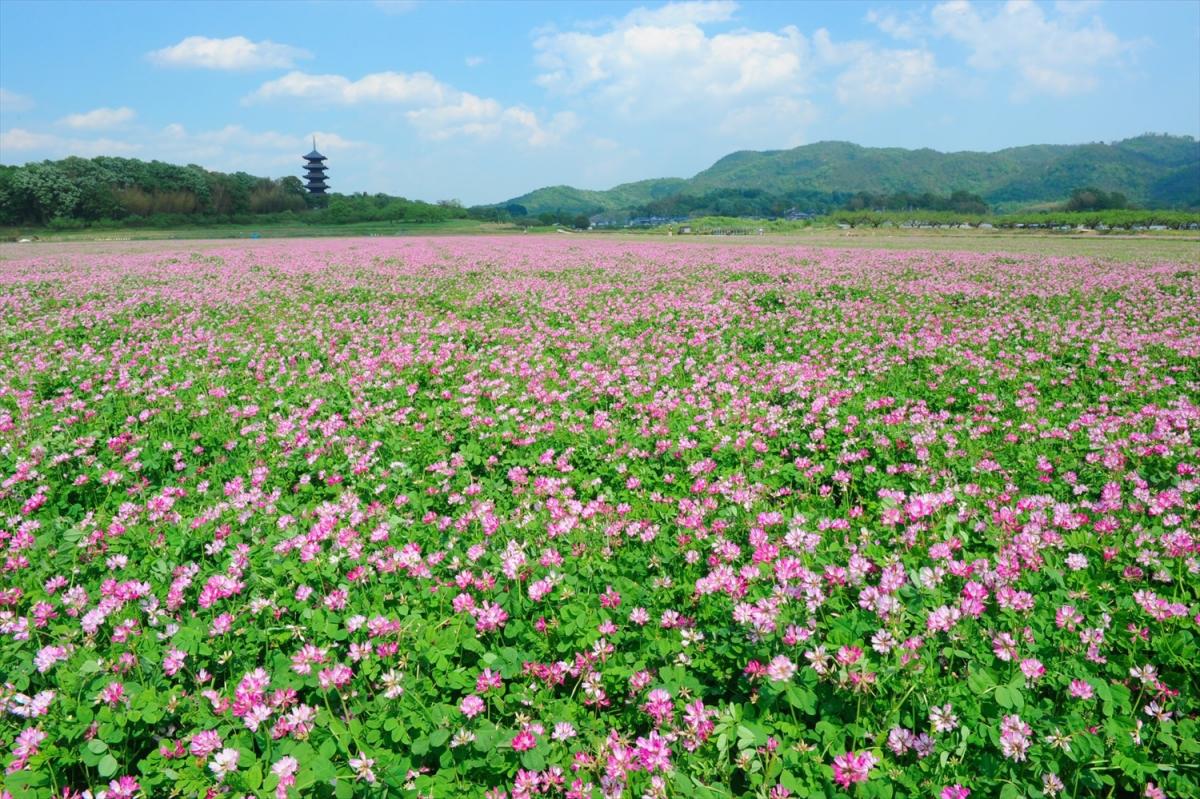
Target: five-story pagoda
<point>314,171</point>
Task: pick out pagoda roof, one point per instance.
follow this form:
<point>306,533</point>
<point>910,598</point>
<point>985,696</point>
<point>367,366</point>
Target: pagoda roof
<point>315,156</point>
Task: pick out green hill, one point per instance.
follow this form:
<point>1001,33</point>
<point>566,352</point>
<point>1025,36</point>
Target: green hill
<point>1151,170</point>
<point>567,199</point>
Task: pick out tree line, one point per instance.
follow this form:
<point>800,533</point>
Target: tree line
<point>121,192</point>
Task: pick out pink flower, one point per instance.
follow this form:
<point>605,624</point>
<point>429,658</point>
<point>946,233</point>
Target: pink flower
<point>659,705</point>
<point>124,787</point>
<point>849,655</point>
<point>487,680</point>
<point>781,669</point>
<point>943,619</point>
<point>364,769</point>
<point>49,655</point>
<point>205,743</point>
<point>173,662</point>
<point>1033,669</point>
<point>112,694</point>
<point>471,706</point>
<point>955,791</point>
<point>1014,737</point>
<point>524,740</point>
<point>851,767</point>
<point>285,769</point>
<point>224,762</point>
<point>335,676</point>
<point>942,719</point>
<point>489,617</point>
<point>26,745</point>
<point>1081,689</point>
<point>653,753</point>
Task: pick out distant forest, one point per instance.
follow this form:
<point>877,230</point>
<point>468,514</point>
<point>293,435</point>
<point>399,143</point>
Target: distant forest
<point>1159,175</point>
<point>127,192</point>
<point>1148,172</point>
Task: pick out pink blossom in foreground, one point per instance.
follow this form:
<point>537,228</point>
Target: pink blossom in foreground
<point>852,767</point>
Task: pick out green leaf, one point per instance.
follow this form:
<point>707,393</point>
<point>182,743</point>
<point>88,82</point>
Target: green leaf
<point>981,681</point>
<point>802,699</point>
<point>752,732</point>
<point>485,739</point>
<point>107,766</point>
<point>322,770</point>
<point>533,759</point>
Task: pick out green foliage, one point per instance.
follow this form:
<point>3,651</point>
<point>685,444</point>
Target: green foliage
<point>1117,219</point>
<point>1153,171</point>
<point>568,200</point>
<point>125,192</point>
<point>960,202</point>
<point>1093,199</point>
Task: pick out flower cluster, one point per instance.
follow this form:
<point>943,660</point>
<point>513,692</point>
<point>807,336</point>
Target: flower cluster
<point>574,518</point>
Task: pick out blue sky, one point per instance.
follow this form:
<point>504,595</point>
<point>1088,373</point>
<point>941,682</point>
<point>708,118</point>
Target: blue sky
<point>484,101</point>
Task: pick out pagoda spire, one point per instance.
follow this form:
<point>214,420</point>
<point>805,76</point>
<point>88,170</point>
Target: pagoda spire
<point>314,171</point>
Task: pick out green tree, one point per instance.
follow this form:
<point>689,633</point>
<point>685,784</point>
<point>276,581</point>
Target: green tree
<point>42,192</point>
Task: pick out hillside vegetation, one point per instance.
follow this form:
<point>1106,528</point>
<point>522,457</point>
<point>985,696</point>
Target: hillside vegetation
<point>108,192</point>
<point>1153,171</point>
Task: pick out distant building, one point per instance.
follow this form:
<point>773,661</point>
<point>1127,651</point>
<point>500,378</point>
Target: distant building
<point>314,171</point>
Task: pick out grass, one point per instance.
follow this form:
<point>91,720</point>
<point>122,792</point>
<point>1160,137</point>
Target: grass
<point>1165,245</point>
<point>1181,246</point>
<point>451,227</point>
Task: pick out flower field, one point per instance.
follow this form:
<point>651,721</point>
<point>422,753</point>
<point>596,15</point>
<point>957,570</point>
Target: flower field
<point>523,517</point>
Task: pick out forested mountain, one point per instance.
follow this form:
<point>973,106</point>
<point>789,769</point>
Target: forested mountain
<point>1151,170</point>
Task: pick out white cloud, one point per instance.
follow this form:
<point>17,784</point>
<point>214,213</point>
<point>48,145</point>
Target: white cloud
<point>378,87</point>
<point>875,79</point>
<point>49,145</point>
<point>99,118</point>
<point>236,147</point>
<point>21,139</point>
<point>655,61</point>
<point>11,102</point>
<point>1057,55</point>
<point>437,110</point>
<point>752,85</point>
<point>888,78</point>
<point>474,60</point>
<point>687,13</point>
<point>907,29</point>
<point>233,53</point>
<point>229,148</point>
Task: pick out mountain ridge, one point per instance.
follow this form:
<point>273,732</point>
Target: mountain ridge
<point>1153,170</point>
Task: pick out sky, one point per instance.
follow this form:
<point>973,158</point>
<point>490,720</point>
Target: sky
<point>481,102</point>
